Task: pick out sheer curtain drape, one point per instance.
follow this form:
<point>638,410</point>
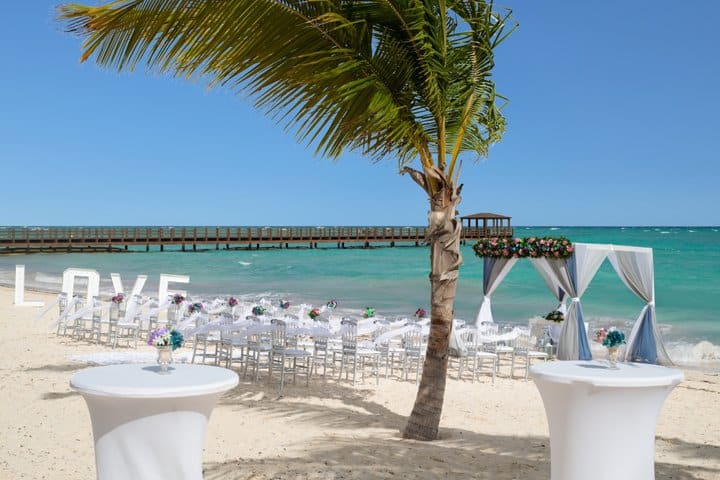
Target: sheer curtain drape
<point>542,267</point>
<point>574,275</point>
<point>494,271</point>
<point>635,267</point>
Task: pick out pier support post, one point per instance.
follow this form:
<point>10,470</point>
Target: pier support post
<point>392,244</point>
<point>194,247</point>
<point>147,247</point>
<point>162,247</point>
<point>286,245</point>
<point>367,244</point>
<point>183,247</point>
<point>217,246</point>
<point>126,248</point>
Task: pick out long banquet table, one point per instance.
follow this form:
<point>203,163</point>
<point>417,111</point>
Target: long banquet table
<point>147,425</point>
<point>602,420</point>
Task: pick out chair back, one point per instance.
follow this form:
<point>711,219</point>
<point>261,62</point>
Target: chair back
<point>413,342</point>
<point>279,334</point>
<point>349,336</point>
<point>97,311</point>
<point>62,303</point>
<point>524,342</point>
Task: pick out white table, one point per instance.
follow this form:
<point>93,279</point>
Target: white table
<point>147,425</point>
<point>602,421</point>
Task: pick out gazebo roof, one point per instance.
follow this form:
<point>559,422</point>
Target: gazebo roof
<point>484,215</point>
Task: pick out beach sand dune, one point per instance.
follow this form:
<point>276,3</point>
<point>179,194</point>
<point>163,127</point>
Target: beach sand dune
<point>327,431</point>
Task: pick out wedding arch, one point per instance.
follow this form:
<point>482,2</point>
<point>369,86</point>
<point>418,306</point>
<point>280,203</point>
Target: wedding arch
<point>569,275</point>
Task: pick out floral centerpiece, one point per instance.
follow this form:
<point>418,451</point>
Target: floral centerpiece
<point>555,316</point>
<point>498,247</point>
<point>232,302</point>
<point>369,312</point>
<point>332,304</point>
<point>420,313</point>
<point>284,304</point>
<point>117,299</point>
<point>258,310</point>
<point>314,313</point>
<point>612,339</point>
<point>165,340</point>
<point>196,307</point>
<point>177,299</point>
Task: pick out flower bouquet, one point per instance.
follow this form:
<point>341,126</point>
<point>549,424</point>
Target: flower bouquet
<point>284,304</point>
<point>369,312</point>
<point>177,299</point>
<point>118,299</point>
<point>165,340</point>
<point>258,310</point>
<point>555,316</point>
<point>612,339</point>
<point>232,302</point>
<point>332,304</point>
<point>420,313</point>
<point>195,308</point>
<point>314,313</point>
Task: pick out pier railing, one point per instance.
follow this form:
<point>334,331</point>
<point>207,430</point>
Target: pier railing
<point>39,238</point>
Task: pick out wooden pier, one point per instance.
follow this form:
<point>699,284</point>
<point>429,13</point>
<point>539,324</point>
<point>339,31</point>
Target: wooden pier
<point>89,239</point>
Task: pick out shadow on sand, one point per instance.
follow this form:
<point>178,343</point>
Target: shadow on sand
<point>458,454</point>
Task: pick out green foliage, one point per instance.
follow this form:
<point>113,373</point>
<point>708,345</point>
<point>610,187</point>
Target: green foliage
<point>553,247</point>
<point>401,79</point>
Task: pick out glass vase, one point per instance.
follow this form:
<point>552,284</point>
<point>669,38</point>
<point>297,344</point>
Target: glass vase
<point>612,357</point>
<point>164,358</point>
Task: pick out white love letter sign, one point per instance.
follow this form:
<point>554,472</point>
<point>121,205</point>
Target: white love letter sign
<point>20,289</point>
<point>118,285</point>
<point>163,291</point>
<point>93,283</point>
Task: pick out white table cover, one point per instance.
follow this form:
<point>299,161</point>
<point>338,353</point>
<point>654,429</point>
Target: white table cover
<point>602,421</point>
<point>147,425</point>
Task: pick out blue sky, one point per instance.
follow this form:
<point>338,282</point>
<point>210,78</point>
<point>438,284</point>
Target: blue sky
<point>613,120</point>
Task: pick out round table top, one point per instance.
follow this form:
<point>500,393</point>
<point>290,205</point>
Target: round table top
<point>145,381</point>
<point>598,373</point>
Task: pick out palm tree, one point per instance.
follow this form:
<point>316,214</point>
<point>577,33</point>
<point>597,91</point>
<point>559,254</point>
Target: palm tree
<point>408,80</point>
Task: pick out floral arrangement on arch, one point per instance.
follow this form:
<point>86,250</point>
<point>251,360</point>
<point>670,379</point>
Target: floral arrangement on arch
<point>195,307</point>
<point>164,337</point>
<point>314,313</point>
<point>177,299</point>
<point>118,299</point>
<point>232,302</point>
<point>420,313</point>
<point>332,304</point>
<point>258,310</point>
<point>284,304</point>
<point>555,316</point>
<point>369,312</point>
<point>533,247</point>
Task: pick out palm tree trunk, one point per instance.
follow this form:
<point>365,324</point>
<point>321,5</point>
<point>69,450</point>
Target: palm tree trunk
<point>445,260</point>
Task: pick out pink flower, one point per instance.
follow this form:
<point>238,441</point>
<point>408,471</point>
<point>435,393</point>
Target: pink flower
<point>569,249</point>
<point>557,254</point>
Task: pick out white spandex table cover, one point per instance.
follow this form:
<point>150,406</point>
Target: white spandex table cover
<point>602,421</point>
<point>147,425</point>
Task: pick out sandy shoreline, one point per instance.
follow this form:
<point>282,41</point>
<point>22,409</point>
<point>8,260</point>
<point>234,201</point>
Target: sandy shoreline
<point>329,430</point>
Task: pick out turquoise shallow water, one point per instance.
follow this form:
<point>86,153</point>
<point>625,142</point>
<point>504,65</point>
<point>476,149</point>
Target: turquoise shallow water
<point>394,280</point>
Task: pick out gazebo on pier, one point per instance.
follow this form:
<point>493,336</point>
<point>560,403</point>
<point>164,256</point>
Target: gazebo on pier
<point>481,225</point>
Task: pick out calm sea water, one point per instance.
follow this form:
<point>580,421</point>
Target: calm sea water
<point>395,280</point>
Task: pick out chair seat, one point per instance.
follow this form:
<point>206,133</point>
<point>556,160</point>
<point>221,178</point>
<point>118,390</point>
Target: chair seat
<point>260,348</point>
<point>533,354</point>
<point>504,349</point>
<point>292,352</point>
<point>127,325</point>
<point>363,351</point>
<point>486,355</point>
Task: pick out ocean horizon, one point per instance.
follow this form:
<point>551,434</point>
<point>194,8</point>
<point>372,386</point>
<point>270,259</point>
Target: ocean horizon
<point>395,280</point>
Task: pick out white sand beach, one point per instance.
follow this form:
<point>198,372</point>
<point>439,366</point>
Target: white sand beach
<point>326,430</point>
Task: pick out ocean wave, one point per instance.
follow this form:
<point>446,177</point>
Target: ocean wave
<point>54,279</point>
<point>244,264</point>
<point>693,353</point>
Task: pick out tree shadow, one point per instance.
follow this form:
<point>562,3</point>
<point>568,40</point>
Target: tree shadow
<point>58,395</point>
<point>460,453</point>
<point>66,367</point>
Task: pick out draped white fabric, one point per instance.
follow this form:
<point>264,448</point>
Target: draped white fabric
<point>634,265</point>
<point>494,271</point>
<point>574,275</point>
<point>543,268</point>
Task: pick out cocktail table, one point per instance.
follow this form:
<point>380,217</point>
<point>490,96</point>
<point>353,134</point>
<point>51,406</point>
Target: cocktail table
<point>602,420</point>
<point>147,425</point>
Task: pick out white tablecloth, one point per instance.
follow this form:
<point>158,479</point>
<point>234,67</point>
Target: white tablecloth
<point>602,421</point>
<point>147,425</point>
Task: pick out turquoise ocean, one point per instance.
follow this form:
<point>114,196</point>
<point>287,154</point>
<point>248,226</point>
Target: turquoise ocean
<point>395,280</point>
